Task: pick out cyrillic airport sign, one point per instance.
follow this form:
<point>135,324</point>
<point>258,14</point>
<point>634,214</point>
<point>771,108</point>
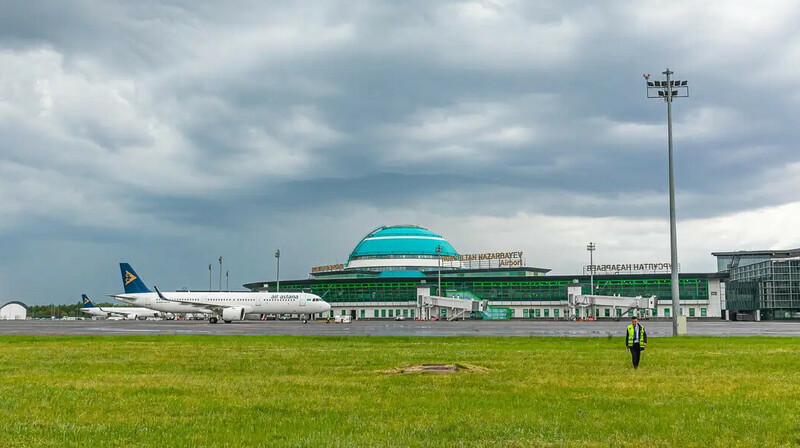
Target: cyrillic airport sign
<point>629,268</point>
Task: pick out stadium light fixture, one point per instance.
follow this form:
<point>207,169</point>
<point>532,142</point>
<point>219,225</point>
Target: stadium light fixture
<point>667,90</point>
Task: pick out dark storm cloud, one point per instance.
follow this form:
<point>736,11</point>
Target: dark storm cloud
<point>198,126</point>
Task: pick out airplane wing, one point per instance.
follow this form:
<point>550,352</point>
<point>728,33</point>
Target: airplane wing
<point>201,307</point>
<point>113,313</point>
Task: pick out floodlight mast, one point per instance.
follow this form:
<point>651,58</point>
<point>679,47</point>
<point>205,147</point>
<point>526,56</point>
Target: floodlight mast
<point>591,248</point>
<point>439,274</point>
<point>671,89</point>
<point>278,273</point>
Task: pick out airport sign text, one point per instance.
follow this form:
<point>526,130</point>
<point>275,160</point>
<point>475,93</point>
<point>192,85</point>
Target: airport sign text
<point>327,268</point>
<point>515,255</point>
<point>628,268</point>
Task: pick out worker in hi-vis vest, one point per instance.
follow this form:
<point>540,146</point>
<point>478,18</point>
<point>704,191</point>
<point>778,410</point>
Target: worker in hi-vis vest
<point>635,340</point>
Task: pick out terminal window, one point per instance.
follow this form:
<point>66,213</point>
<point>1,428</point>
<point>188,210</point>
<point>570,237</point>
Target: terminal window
<point>607,312</point>
<point>363,313</point>
<point>666,312</point>
<point>405,313</point>
<point>412,314</point>
<point>703,312</point>
<point>619,312</point>
<point>655,312</point>
<point>376,313</point>
<point>383,313</point>
<point>555,313</point>
<point>538,312</point>
<point>391,313</point>
<point>331,313</point>
<point>691,312</point>
<point>547,312</point>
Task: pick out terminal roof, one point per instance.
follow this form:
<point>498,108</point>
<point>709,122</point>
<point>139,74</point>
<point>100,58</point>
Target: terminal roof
<point>781,253</point>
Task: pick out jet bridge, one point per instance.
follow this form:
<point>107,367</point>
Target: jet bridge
<point>456,307</point>
<point>576,300</point>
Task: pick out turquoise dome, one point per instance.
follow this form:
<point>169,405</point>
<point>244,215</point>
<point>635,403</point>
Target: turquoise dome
<point>400,241</point>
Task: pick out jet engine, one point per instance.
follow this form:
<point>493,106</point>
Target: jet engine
<point>132,317</point>
<point>232,313</point>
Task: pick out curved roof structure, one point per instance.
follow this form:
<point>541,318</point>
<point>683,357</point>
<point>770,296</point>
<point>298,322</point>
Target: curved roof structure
<point>14,302</point>
<point>404,241</point>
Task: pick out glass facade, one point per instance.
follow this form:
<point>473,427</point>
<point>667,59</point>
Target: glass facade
<point>770,286</point>
<point>527,289</point>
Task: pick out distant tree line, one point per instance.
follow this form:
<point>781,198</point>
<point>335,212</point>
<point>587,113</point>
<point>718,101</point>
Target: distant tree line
<point>59,311</point>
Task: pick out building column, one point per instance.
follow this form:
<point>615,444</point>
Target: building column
<point>727,315</point>
<point>758,315</point>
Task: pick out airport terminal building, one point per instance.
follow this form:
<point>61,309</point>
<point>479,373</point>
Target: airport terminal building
<point>390,265</point>
<point>761,284</point>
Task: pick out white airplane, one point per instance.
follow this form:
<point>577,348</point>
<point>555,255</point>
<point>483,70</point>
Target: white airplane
<point>128,313</point>
<point>227,306</point>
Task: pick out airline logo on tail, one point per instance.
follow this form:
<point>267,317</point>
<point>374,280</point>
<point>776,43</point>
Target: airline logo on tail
<point>131,281</point>
<point>87,302</point>
<point>129,278</point>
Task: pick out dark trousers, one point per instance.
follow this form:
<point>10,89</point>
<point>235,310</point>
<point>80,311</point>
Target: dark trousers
<point>636,352</point>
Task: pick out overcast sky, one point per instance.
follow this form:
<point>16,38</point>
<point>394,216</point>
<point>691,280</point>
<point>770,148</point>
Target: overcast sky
<point>167,134</point>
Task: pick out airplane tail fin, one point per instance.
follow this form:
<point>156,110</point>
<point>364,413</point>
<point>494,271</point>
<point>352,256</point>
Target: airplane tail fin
<point>87,302</point>
<point>133,284</point>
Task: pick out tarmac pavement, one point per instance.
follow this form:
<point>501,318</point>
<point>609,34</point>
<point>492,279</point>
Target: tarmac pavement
<point>658,328</point>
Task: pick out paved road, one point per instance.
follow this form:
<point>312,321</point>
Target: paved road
<point>391,328</point>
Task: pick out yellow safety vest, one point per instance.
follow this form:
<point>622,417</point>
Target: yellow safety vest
<point>630,335</point>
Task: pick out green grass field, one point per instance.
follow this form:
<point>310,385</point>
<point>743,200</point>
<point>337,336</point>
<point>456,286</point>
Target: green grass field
<point>177,391</point>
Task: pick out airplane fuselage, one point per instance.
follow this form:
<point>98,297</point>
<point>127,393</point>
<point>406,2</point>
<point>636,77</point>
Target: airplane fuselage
<point>249,302</point>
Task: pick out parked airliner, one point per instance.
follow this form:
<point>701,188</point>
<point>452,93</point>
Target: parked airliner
<point>128,313</point>
<point>228,306</point>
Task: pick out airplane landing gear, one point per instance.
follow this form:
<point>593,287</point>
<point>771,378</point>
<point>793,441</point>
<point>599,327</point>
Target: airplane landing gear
<point>304,318</point>
<point>212,319</point>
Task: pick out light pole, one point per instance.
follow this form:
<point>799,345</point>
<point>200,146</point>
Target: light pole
<point>220,273</point>
<point>439,255</point>
<point>209,276</point>
<point>227,281</point>
<point>278,275</point>
<point>591,248</point>
<point>667,90</point>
